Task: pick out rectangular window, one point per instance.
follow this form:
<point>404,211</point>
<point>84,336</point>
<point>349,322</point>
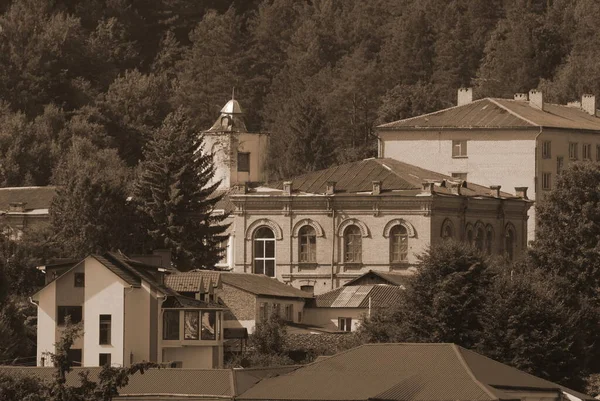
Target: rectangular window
<point>277,309</point>
<point>222,249</point>
<point>460,176</point>
<point>75,356</point>
<point>587,151</point>
<point>105,326</point>
<point>79,279</point>
<point>171,325</point>
<point>560,162</point>
<point>243,162</point>
<point>573,150</point>
<point>289,312</point>
<point>546,181</point>
<point>308,288</point>
<point>262,312</point>
<point>345,324</point>
<point>546,150</point>
<point>104,359</point>
<point>191,328</point>
<point>209,324</point>
<point>75,312</point>
<point>299,317</point>
<point>459,148</point>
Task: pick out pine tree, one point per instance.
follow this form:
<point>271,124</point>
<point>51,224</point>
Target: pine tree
<point>176,198</point>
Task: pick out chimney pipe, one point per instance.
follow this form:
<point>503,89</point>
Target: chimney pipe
<point>536,99</point>
<point>287,188</point>
<point>521,192</point>
<point>588,104</point>
<point>495,191</point>
<point>465,96</point>
<point>330,190</point>
<point>428,187</point>
<point>376,187</point>
<point>521,97</point>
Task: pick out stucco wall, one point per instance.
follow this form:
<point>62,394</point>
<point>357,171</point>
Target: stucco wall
<point>191,357</point>
<point>104,294</point>
<point>328,317</point>
<point>138,324</point>
<point>46,326</point>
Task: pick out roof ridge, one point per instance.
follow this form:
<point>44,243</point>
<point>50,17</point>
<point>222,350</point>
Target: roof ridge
<point>514,113</point>
<point>457,351</point>
<point>385,125</point>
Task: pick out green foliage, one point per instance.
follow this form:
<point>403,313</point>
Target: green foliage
<point>269,336</point>
<point>20,387</point>
<point>175,196</point>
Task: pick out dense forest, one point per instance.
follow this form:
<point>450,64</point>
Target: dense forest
<point>318,75</point>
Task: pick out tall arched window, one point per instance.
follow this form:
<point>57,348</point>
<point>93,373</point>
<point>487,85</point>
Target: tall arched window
<point>479,239</point>
<point>447,230</point>
<point>489,240</point>
<point>264,252</point>
<point>308,245</point>
<point>509,243</point>
<point>352,244</point>
<point>398,244</point>
<point>469,232</point>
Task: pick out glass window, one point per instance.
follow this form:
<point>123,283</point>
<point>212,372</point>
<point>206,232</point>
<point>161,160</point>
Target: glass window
<point>546,149</point>
<point>105,328</point>
<point>75,313</point>
<point>289,312</point>
<point>352,245</point>
<point>459,148</point>
<point>308,245</point>
<point>398,244</point>
<point>75,356</point>
<point>171,325</point>
<point>104,359</point>
<point>447,230</point>
<point>489,240</point>
<point>573,150</point>
<point>546,181</point>
<point>308,288</point>
<point>509,246</point>
<point>345,324</point>
<point>243,162</point>
<point>264,252</point>
<point>79,279</point>
<point>262,312</point>
<point>209,319</point>
<point>470,235</point>
<point>587,151</point>
<point>479,239</point>
<point>191,327</point>
<point>560,162</point>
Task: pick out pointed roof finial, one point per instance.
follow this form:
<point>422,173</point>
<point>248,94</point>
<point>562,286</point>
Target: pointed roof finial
<point>233,93</point>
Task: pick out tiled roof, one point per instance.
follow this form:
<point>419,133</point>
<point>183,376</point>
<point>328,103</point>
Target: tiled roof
<point>383,277</point>
<point>396,178</point>
<point>191,281</point>
<point>34,197</point>
<point>259,284</point>
<point>500,113</point>
<point>359,296</point>
<point>407,372</point>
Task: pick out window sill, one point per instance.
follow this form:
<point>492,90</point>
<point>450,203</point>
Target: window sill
<point>460,157</point>
<point>307,265</point>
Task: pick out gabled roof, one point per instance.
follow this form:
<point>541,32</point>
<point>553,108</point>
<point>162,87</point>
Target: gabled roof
<point>500,113</point>
<point>259,284</point>
<point>395,176</point>
<point>33,197</point>
<point>361,296</point>
<point>380,278</point>
<point>193,281</point>
<point>406,372</point>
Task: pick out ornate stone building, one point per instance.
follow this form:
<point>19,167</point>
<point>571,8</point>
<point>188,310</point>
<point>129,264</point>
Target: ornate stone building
<point>322,229</point>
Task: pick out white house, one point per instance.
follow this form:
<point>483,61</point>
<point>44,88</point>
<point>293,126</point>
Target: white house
<point>128,316</point>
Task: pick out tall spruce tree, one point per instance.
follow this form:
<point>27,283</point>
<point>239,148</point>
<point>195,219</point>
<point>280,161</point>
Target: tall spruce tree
<point>176,198</point>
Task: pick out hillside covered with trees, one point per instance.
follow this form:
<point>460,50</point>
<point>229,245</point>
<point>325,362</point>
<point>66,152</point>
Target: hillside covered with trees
<point>318,75</point>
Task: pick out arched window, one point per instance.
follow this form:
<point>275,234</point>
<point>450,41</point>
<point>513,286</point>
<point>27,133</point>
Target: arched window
<point>264,252</point>
<point>398,244</point>
<point>469,231</point>
<point>308,245</point>
<point>489,240</point>
<point>479,239</point>
<point>509,243</point>
<point>352,244</point>
<point>447,230</point>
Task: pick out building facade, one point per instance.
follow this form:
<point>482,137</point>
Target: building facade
<point>520,142</point>
<point>323,229</point>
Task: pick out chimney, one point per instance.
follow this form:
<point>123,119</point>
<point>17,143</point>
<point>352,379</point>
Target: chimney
<point>536,99</point>
<point>588,104</point>
<point>376,187</point>
<point>428,187</point>
<point>495,191</point>
<point>521,97</point>
<point>16,206</point>
<point>521,192</point>
<point>287,188</point>
<point>465,96</point>
<point>330,190</point>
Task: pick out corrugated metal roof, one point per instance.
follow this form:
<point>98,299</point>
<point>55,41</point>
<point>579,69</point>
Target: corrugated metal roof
<point>33,197</point>
<point>501,113</point>
<point>396,176</point>
<point>407,372</point>
<point>357,296</point>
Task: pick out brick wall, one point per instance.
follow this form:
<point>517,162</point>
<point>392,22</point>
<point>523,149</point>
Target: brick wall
<point>241,304</point>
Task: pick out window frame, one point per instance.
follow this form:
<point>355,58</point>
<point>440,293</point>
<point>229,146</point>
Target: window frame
<point>459,148</point>
<point>79,280</point>
<point>188,333</point>
<point>460,176</point>
<point>560,163</point>
<point>546,149</point>
<point>243,167</point>
<point>352,245</point>
<point>106,355</point>
<point>205,333</point>
<point>176,324</point>
<point>345,324</point>
<point>546,181</point>
<point>398,244</point>
<point>105,329</point>
<point>61,316</point>
<point>306,287</point>
<point>264,258</point>
<point>573,151</point>
<point>307,245</point>
<point>587,151</point>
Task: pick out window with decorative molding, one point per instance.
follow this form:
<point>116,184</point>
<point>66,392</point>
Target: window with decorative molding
<point>264,252</point>
<point>398,244</point>
<point>352,244</point>
<point>307,238</point>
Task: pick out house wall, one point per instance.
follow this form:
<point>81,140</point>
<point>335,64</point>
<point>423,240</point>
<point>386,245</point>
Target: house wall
<point>328,317</point>
<point>104,294</point>
<point>46,326</point>
<point>191,357</point>
<point>69,295</point>
<point>494,157</point>
<point>242,307</point>
<point>140,322</point>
